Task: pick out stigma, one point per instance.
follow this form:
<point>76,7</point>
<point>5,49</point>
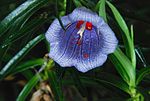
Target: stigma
<point>81,30</point>
<point>82,26</point>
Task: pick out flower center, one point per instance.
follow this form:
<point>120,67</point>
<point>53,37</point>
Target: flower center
<point>82,25</point>
<point>88,25</point>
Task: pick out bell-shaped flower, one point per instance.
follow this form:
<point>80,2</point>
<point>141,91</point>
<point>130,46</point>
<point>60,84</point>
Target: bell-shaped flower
<point>85,42</point>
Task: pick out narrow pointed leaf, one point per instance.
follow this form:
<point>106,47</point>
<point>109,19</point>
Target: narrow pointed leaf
<point>133,56</point>
<point>88,3</point>
<point>9,66</point>
<point>27,65</point>
<point>97,5</point>
<point>132,33</point>
<point>123,66</point>
<point>102,10</point>
<point>142,73</point>
<point>28,88</point>
<point>26,8</point>
<point>77,3</point>
<point>127,38</point>
<point>119,20</point>
<point>34,24</point>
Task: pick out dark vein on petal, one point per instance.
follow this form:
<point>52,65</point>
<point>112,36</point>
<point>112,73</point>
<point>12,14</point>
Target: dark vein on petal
<point>73,52</point>
<point>82,52</point>
<point>90,47</point>
<point>61,38</point>
<point>67,44</point>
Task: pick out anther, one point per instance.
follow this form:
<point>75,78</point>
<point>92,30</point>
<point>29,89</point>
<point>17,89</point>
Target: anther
<point>89,26</point>
<point>81,30</point>
<point>79,23</point>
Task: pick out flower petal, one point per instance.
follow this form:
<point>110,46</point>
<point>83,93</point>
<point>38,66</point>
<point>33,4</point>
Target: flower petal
<point>85,14</point>
<point>59,47</point>
<point>55,28</point>
<point>91,47</point>
<point>108,39</point>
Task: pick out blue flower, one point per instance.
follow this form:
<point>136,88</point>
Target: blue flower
<point>84,44</point>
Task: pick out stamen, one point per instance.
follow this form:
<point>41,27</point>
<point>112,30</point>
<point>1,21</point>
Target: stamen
<point>80,22</point>
<point>80,32</point>
<point>89,25</point>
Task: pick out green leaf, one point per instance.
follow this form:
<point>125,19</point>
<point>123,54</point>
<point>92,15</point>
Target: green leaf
<point>123,66</point>
<point>9,66</point>
<point>26,8</point>
<point>132,32</point>
<point>28,88</point>
<point>142,73</point>
<point>28,74</point>
<point>19,23</point>
<point>102,10</point>
<point>133,57</point>
<point>27,65</point>
<point>27,29</point>
<point>88,3</point>
<point>119,19</point>
<point>77,3</point>
<point>56,86</point>
<point>97,5</point>
<point>128,40</point>
<point>3,54</point>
